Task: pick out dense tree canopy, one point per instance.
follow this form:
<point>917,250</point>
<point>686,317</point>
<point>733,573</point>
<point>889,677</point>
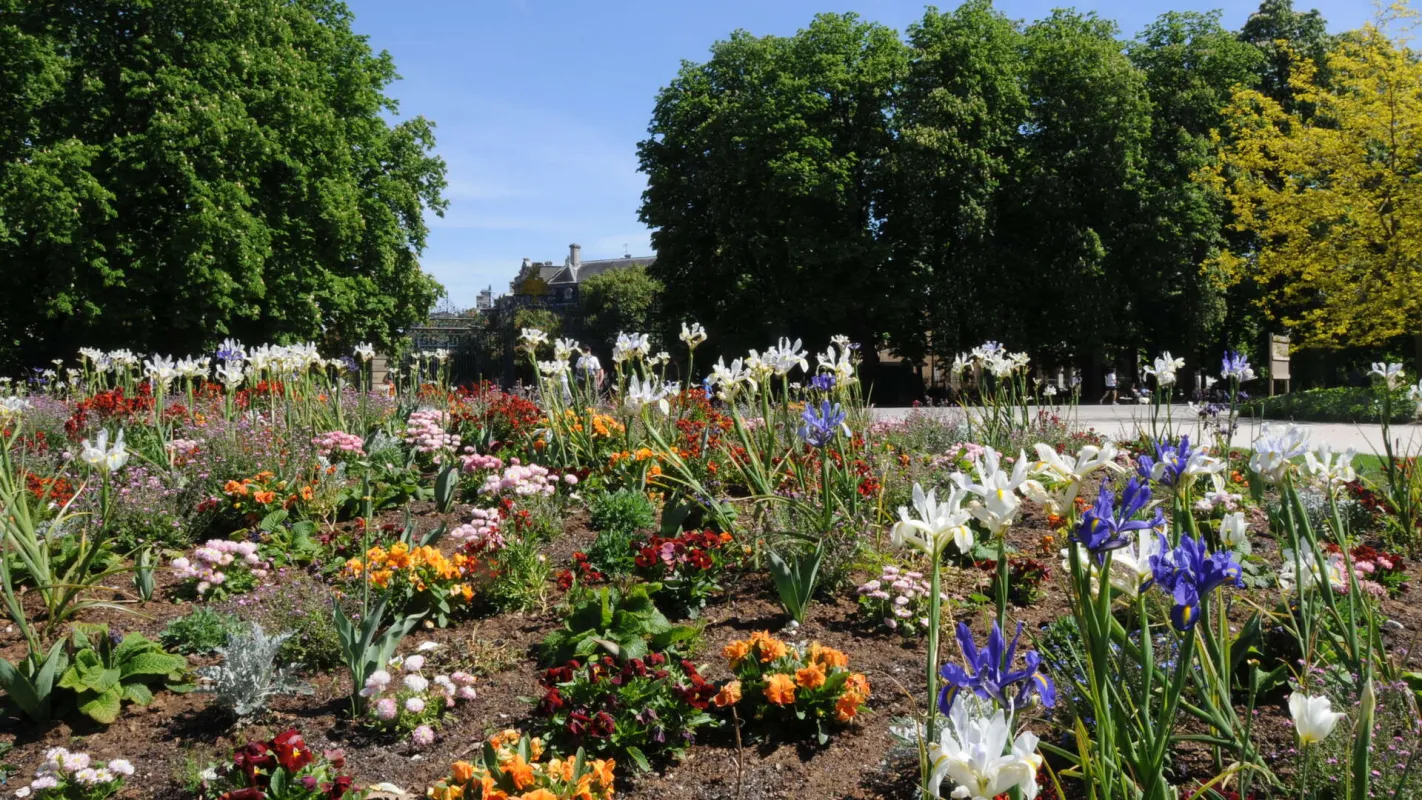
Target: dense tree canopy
<point>172,173</point>
<point>618,300</point>
<point>978,178</point>
<point>1330,192</point>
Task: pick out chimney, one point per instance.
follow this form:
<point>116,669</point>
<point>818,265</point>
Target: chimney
<point>527,262</point>
<point>575,255</point>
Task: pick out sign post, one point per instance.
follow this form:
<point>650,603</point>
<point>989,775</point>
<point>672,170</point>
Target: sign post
<point>1278,361</point>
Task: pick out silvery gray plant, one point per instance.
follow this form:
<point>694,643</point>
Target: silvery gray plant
<point>249,675</point>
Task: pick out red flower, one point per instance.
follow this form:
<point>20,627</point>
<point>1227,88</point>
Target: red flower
<point>291,751</point>
<point>603,725</point>
<point>254,760</point>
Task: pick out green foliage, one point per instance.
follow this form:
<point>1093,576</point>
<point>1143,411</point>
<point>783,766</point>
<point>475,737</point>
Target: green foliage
<point>230,171</point>
<point>795,578</point>
<point>624,623</point>
<point>521,578</point>
<point>622,511</point>
<point>29,684</point>
<point>618,300</point>
<point>1344,404</point>
<point>763,182</point>
<point>104,674</point>
<point>202,631</point>
<point>366,648</point>
<point>611,553</point>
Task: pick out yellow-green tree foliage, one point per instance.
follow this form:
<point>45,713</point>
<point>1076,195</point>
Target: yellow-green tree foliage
<point>1328,200</point>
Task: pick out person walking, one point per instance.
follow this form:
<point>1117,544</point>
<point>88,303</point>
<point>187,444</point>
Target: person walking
<point>1110,387</point>
<point>590,371</point>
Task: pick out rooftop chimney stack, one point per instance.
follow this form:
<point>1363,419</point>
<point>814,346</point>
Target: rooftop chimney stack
<point>575,255</point>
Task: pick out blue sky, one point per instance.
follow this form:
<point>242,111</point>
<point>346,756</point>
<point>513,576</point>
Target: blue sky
<point>540,104</point>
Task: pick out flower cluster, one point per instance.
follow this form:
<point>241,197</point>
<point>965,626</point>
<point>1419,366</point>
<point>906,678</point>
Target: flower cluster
<point>774,679</point>
<point>332,444</point>
<point>688,566</point>
<point>990,673</point>
<point>1378,572</point>
<point>520,480</point>
<point>419,577</point>
<point>65,775</point>
<point>425,433</point>
<point>284,761</point>
<point>399,698</point>
<point>897,600</point>
<point>263,493</point>
<point>1025,577</point>
<point>221,567</point>
<point>472,461</point>
<point>512,768</point>
<point>481,533</point>
<point>649,705</point>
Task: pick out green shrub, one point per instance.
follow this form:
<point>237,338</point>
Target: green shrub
<point>622,511</point>
<point>1344,404</point>
<point>521,577</point>
<point>301,606</point>
<point>202,631</point>
<point>624,624</point>
<point>611,553</point>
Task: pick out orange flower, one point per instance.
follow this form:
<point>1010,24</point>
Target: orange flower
<point>540,794</point>
<point>780,689</point>
<point>811,677</point>
<point>488,791</point>
<point>264,497</point>
<point>306,493</point>
<point>858,684</point>
<point>233,487</point>
<point>768,647</point>
<point>446,792</point>
<point>736,652</point>
<point>847,706</point>
<point>729,695</point>
<point>603,771</point>
<point>520,771</point>
<point>827,657</point>
<point>462,771</point>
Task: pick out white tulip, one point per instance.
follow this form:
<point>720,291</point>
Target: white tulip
<point>1390,373</point>
<point>1234,530</point>
<point>1314,717</point>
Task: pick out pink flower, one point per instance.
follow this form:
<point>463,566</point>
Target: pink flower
<point>423,736</point>
<point>386,709</point>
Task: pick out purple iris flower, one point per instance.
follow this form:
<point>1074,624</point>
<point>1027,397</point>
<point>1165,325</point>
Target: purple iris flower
<point>1107,525</point>
<point>822,383</point>
<point>818,427</point>
<point>1234,365</point>
<point>989,672</point>
<point>706,386</point>
<point>229,355</point>
<point>1187,572</point>
<point>1172,459</point>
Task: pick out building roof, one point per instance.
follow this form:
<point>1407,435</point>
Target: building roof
<point>570,274</point>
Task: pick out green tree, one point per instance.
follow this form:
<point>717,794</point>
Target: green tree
<point>1074,193</point>
<point>1283,36</point>
<point>957,117</point>
<point>174,173</point>
<point>1191,66</point>
<point>618,300</point>
<point>764,182</point>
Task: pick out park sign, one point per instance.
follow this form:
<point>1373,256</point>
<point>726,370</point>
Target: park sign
<point>1278,348</point>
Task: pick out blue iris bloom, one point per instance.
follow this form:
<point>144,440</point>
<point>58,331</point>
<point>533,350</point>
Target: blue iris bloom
<point>1108,526</point>
<point>1233,364</point>
<point>706,386</point>
<point>822,383</point>
<point>229,355</point>
<point>1171,458</point>
<point>819,426</point>
<point>989,672</point>
<point>1188,572</point>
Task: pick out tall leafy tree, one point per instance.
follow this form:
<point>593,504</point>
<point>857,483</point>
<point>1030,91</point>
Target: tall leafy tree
<point>1330,194</point>
<point>1074,192</point>
<point>1191,65</point>
<point>957,117</point>
<point>173,173</point>
<point>1283,37</point>
<point>765,183</point>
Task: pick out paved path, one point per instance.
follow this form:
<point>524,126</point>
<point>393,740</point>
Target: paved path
<point>1124,420</point>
